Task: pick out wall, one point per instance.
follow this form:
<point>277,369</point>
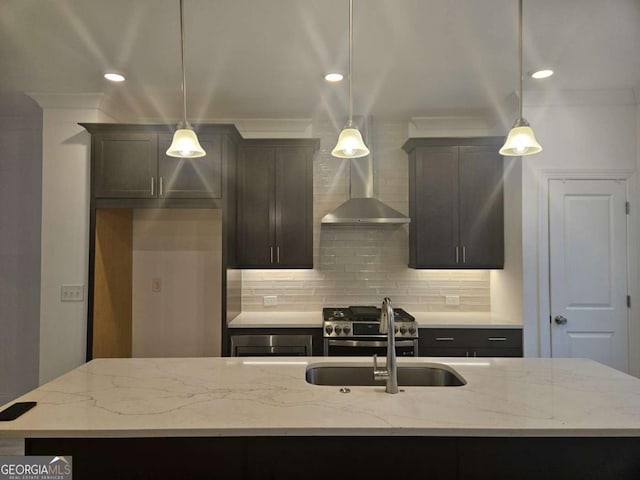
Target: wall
<point>65,228</point>
<point>20,197</point>
<point>181,248</point>
<point>506,285</point>
<point>361,265</point>
<point>580,132</point>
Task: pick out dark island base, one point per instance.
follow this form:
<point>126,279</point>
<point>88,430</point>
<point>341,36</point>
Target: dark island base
<point>326,458</point>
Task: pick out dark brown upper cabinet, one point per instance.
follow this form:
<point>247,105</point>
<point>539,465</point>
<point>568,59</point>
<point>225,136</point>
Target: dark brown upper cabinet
<point>125,165</point>
<point>129,162</point>
<point>275,203</point>
<point>456,203</point>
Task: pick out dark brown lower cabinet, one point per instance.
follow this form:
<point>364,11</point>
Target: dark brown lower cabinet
<point>322,458</point>
<point>470,342</point>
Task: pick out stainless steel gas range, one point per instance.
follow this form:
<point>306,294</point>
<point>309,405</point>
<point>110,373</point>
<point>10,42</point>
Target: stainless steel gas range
<point>355,331</point>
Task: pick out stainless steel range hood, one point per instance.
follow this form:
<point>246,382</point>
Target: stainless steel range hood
<point>362,208</point>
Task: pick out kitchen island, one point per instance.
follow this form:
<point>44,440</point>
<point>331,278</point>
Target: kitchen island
<point>259,418</point>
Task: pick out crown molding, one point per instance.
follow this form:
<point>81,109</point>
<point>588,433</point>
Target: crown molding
<point>272,127</point>
<point>451,125</point>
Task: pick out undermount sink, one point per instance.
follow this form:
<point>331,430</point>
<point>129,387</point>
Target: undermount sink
<point>432,375</point>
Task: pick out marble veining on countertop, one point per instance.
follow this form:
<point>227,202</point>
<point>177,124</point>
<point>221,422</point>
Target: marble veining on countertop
<point>424,319</point>
<point>277,320</point>
<point>269,396</point>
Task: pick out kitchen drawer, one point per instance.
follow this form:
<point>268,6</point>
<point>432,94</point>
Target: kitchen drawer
<point>471,337</point>
<point>470,352</point>
<point>470,342</point>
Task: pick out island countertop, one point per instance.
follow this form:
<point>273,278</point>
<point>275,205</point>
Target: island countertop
<point>265,396</point>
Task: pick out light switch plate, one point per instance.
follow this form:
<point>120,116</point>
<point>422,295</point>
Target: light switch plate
<point>72,293</point>
<point>452,299</point>
<point>270,300</point>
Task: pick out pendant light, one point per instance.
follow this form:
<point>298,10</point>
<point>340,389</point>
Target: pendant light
<point>185,142</point>
<point>350,143</point>
<point>521,140</point>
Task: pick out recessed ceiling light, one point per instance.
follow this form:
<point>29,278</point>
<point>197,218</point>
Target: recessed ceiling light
<point>333,77</point>
<point>114,77</point>
<point>542,73</point>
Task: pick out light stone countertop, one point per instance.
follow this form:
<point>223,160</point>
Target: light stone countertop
<point>269,396</point>
<point>424,319</point>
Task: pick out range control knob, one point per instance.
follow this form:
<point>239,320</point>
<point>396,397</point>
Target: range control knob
<point>346,329</point>
<point>412,330</point>
<point>396,329</point>
<point>328,329</point>
<point>338,329</point>
<point>403,329</point>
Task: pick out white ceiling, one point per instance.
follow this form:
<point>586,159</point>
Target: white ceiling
<point>266,59</point>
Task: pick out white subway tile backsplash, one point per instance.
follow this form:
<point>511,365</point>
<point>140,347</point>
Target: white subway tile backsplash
<point>358,265</point>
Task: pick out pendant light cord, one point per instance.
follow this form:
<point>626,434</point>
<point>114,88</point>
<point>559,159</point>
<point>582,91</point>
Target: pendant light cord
<point>520,57</point>
<point>350,63</point>
<point>184,77</point>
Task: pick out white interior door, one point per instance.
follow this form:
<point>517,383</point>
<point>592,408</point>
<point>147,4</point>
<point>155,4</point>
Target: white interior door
<point>588,268</point>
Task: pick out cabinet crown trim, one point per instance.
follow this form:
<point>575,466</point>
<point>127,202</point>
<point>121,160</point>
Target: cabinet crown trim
<point>413,143</point>
<point>222,128</point>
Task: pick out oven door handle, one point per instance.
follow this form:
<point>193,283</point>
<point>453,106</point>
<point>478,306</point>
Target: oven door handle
<point>368,343</point>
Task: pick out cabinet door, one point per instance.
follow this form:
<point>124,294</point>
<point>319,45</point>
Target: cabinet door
<point>444,352</point>
<point>434,217</point>
<point>191,177</point>
<point>294,207</point>
<point>256,234</point>
<point>481,208</point>
<point>497,352</point>
<point>125,165</point>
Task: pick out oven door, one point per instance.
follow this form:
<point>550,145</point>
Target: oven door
<point>363,347</point>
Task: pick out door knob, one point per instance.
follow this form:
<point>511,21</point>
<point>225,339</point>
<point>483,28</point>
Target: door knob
<point>560,320</point>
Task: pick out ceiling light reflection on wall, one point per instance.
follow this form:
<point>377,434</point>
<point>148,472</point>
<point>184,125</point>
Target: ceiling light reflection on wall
<point>541,73</point>
<point>114,77</point>
<point>334,77</point>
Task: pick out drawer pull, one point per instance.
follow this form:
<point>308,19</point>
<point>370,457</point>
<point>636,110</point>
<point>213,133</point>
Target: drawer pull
<point>497,339</point>
<point>445,339</point>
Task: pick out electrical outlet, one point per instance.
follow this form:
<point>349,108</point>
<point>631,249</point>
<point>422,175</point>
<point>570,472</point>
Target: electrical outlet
<point>72,293</point>
<point>156,285</point>
<point>452,299</point>
<point>270,300</point>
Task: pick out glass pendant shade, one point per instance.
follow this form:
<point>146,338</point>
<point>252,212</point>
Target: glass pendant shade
<point>185,144</point>
<point>350,144</point>
<point>521,141</point>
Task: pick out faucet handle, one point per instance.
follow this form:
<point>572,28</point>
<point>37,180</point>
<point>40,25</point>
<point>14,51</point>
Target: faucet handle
<point>379,373</point>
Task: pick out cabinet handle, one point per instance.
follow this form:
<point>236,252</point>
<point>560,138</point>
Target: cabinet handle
<point>464,254</point>
<point>457,254</point>
<point>497,339</point>
<point>271,254</point>
<point>153,184</point>
<point>277,254</point>
<point>445,339</point>
<point>161,187</point>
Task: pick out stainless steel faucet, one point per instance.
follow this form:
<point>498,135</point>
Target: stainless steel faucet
<point>390,372</point>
